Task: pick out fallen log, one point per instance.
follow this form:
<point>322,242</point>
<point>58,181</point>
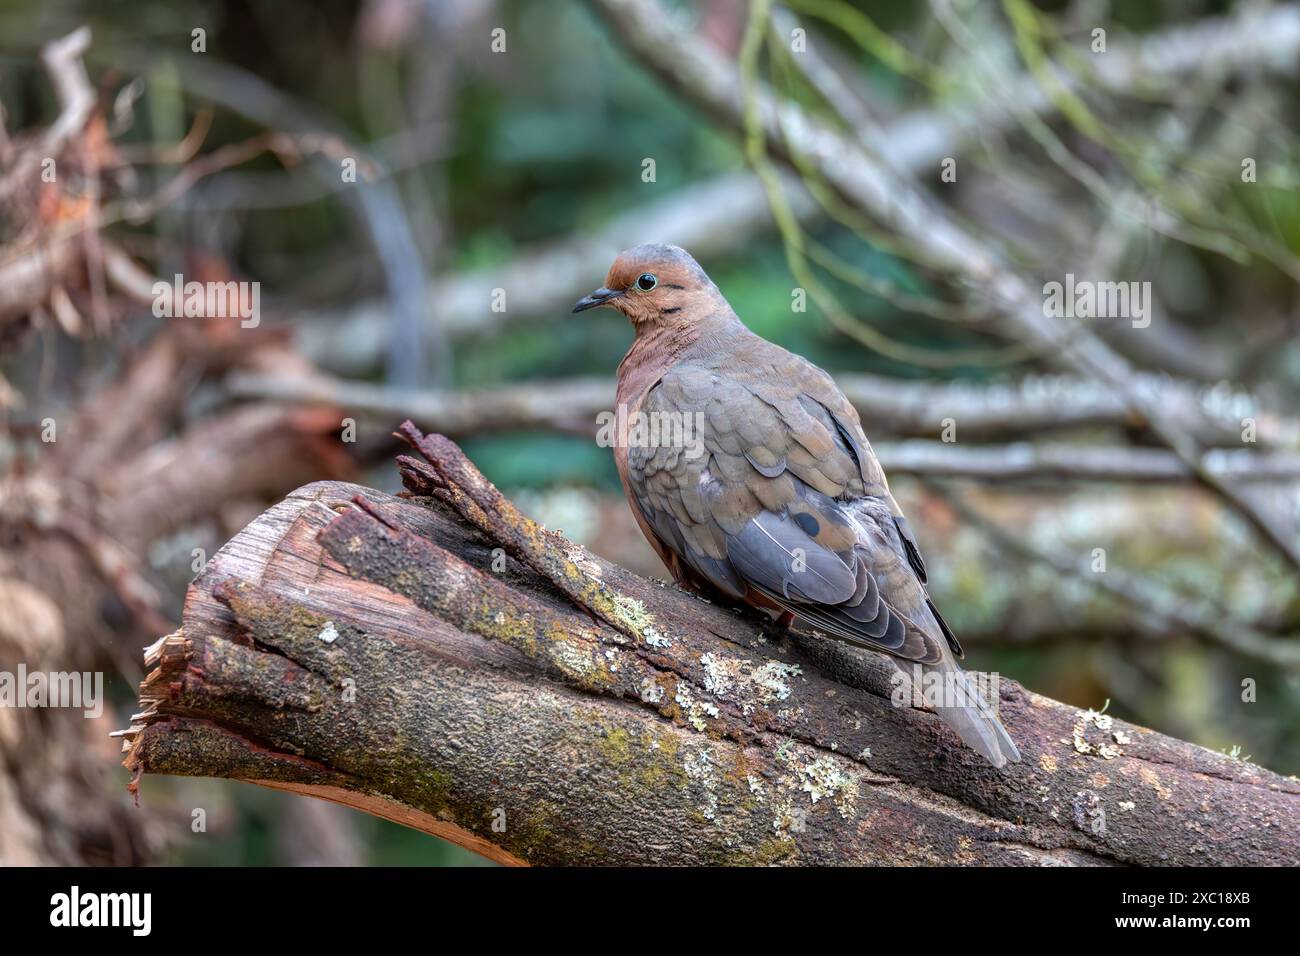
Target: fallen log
<point>439,660</point>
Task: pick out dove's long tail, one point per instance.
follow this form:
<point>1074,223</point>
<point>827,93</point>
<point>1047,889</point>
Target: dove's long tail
<point>962,709</point>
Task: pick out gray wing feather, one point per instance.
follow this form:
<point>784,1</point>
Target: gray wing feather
<point>774,552</point>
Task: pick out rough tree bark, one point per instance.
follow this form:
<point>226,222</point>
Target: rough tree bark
<point>438,659</point>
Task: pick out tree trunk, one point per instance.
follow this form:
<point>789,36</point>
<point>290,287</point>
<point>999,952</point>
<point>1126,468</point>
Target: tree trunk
<point>440,660</point>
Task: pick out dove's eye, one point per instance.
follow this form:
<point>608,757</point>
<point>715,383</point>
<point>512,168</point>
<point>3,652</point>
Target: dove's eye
<point>645,282</point>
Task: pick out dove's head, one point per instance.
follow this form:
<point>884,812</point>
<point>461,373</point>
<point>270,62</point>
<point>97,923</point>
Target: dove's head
<point>656,284</point>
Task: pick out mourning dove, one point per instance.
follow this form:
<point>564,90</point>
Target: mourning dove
<point>749,472</point>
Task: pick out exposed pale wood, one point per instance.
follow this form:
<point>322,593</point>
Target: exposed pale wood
<point>388,810</point>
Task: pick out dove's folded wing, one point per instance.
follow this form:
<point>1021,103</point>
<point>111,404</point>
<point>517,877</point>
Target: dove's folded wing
<point>779,495</point>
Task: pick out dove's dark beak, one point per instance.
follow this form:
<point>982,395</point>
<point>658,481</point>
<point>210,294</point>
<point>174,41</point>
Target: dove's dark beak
<point>598,298</point>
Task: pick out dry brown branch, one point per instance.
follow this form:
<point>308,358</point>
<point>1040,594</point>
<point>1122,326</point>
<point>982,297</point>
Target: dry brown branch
<point>360,648</point>
<point>62,60</point>
<point>29,280</point>
<point>37,263</point>
<point>80,517</point>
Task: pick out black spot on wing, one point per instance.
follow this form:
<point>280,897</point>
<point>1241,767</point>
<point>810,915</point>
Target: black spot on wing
<point>808,524</point>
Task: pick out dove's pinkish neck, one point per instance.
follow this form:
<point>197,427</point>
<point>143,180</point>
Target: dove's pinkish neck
<point>654,350</point>
<point>658,347</point>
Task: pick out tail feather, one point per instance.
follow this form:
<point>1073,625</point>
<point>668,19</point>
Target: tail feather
<point>966,713</point>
